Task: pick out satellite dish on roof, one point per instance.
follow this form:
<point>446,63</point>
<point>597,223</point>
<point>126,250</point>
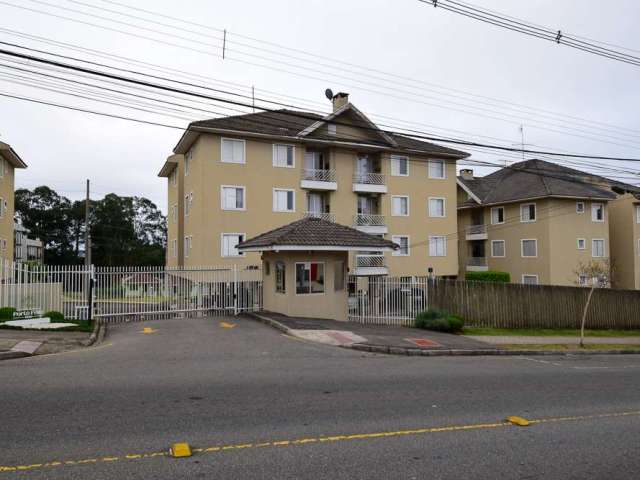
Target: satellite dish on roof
<point>328,93</point>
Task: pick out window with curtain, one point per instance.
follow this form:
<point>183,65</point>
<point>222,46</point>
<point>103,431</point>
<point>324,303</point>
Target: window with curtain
<point>283,200</point>
<point>233,151</point>
<point>309,278</point>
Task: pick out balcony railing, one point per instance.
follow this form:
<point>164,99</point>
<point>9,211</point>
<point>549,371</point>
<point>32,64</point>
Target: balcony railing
<point>477,230</point>
<point>369,178</point>
<point>317,175</point>
<point>477,262</point>
<point>368,220</point>
<point>329,217</point>
<point>370,261</point>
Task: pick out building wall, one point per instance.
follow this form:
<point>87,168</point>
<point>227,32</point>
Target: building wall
<point>207,221</point>
<point>625,247</point>
<point>6,221</point>
<point>175,196</point>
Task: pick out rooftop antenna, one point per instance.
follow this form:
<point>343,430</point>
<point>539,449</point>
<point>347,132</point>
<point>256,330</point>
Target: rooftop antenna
<point>522,145</point>
<point>328,93</point>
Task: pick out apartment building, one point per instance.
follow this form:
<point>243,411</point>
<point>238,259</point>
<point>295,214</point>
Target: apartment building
<point>232,178</point>
<point>26,249</point>
<point>536,220</point>
<point>624,215</point>
<point>9,161</point>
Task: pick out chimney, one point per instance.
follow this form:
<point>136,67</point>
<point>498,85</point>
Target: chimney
<point>340,99</point>
<point>466,174</point>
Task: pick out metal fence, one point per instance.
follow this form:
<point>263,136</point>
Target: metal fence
<point>385,300</point>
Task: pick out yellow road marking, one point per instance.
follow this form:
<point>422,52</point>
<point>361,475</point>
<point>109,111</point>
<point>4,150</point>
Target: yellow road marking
<point>148,330</point>
<point>322,439</point>
<point>227,325</point>
<point>521,422</point>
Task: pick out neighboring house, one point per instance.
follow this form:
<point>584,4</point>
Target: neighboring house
<point>9,161</point>
<point>624,220</point>
<point>536,220</point>
<point>26,249</point>
<point>142,285</point>
<point>232,178</point>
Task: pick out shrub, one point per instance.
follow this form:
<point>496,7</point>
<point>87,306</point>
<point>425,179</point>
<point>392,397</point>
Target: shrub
<point>6,313</point>
<point>488,276</point>
<point>55,317</point>
<point>439,321</point>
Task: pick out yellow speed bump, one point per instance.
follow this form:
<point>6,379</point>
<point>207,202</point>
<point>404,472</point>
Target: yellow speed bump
<point>180,450</point>
<point>227,325</point>
<point>521,422</point>
<point>148,330</point>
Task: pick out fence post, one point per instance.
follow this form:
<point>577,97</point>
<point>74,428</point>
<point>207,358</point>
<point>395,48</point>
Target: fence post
<point>235,289</point>
<point>91,273</point>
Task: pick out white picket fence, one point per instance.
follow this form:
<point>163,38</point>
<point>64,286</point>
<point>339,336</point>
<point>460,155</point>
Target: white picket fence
<point>382,300</point>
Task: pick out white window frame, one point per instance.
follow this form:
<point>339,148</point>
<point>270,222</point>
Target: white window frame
<point>584,243</point>
<point>2,166</point>
<point>604,248</point>
<point>594,207</point>
<point>398,253</point>
<point>503,215</point>
<point>275,202</point>
<point>324,274</point>
<point>275,156</point>
<point>434,237</point>
<point>504,249</point>
<point>3,207</point>
<point>444,169</point>
<point>188,203</point>
<point>637,213</point>
<point>586,280</point>
<point>444,207</point>
<point>332,129</point>
<point>174,248</point>
<point>173,177</point>
<point>395,165</point>
<point>531,275</point>
<point>244,150</point>
<point>535,209</point>
<point>639,246</point>
<point>584,208</point>
<point>228,234</point>
<point>393,212</point>
<point>522,247</point>
<point>244,197</point>
<point>188,245</point>
<point>188,157</point>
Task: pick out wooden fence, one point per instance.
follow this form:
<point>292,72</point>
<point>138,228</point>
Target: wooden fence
<point>509,305</point>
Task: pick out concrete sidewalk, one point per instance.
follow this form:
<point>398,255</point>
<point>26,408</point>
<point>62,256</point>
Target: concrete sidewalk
<point>551,340</point>
<point>48,342</point>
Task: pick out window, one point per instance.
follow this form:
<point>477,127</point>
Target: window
<point>637,213</point>
<point>3,207</point>
<point>399,166</point>
<point>233,151</point>
<point>528,212</point>
<point>597,247</point>
<point>400,206</point>
<point>309,278</point>
<point>284,156</point>
<point>173,177</point>
<point>188,243</point>
<point>497,248</point>
<point>582,244</point>
<point>174,212</point>
<point>174,248</point>
<point>403,242</point>
<point>437,246</point>
<point>229,244</point>
<point>339,276</point>
<point>2,166</point>
<point>579,207</point>
<point>280,277</point>
<point>639,246</point>
<point>497,215</point>
<point>283,200</point>
<point>331,128</point>
<point>188,201</point>
<point>530,248</point>
<point>583,280</point>
<point>597,212</point>
<point>530,279</point>
<point>188,157</point>
<point>232,197</point>
<point>436,207</point>
<point>436,169</point>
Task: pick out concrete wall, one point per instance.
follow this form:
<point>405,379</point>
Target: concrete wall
<point>330,304</point>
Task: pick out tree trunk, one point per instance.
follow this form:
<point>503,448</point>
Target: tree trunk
<point>584,316</point>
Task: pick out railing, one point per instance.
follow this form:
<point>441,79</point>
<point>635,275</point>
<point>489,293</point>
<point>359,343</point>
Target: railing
<point>329,217</point>
<point>370,260</point>
<point>368,220</point>
<point>477,261</point>
<point>318,175</point>
<point>477,230</point>
<point>369,178</point>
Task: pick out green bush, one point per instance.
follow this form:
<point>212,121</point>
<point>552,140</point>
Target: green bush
<point>6,313</point>
<point>488,276</point>
<point>55,317</point>
<point>439,320</point>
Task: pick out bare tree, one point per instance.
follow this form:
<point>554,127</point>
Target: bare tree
<point>593,274</point>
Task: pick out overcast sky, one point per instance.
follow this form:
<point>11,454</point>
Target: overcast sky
<point>432,49</point>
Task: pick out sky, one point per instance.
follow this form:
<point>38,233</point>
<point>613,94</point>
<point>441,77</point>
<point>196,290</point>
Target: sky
<point>424,68</point>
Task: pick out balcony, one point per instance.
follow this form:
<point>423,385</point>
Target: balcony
<point>476,232</point>
<point>317,179</point>
<point>477,264</point>
<point>329,217</point>
<point>370,264</point>
<point>370,223</point>
<point>369,182</point>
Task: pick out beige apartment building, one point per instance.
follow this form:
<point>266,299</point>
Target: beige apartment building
<point>232,178</point>
<point>624,214</point>
<point>538,221</point>
<point>9,161</point>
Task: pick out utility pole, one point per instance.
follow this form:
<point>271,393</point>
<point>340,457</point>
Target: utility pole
<point>87,232</point>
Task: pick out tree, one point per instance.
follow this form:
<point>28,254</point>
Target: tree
<point>597,274</point>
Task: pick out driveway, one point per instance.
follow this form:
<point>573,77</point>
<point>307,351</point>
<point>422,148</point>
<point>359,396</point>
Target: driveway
<point>257,404</point>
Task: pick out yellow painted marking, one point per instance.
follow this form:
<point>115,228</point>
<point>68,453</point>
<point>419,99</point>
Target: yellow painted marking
<point>148,330</point>
<point>227,325</point>
<point>180,450</point>
<point>519,421</point>
<point>325,439</point>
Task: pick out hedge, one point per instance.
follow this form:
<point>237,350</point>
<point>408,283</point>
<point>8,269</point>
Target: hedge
<point>488,276</point>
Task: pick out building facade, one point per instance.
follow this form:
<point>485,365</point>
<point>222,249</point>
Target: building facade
<point>232,178</point>
<point>624,219</point>
<point>26,249</point>
<point>9,162</point>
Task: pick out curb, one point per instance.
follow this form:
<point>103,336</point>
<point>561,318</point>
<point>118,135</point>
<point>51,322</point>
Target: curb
<point>9,355</point>
<point>272,323</point>
<point>97,336</point>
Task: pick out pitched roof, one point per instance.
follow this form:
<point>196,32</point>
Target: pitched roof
<point>311,233</point>
<point>293,123</point>
<point>537,179</point>
<point>10,155</point>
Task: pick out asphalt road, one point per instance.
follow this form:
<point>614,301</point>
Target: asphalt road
<point>257,404</point>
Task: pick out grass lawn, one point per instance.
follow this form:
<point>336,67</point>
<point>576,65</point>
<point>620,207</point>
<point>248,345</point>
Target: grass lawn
<point>563,346</point>
<point>83,326</point>
<point>548,332</point>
